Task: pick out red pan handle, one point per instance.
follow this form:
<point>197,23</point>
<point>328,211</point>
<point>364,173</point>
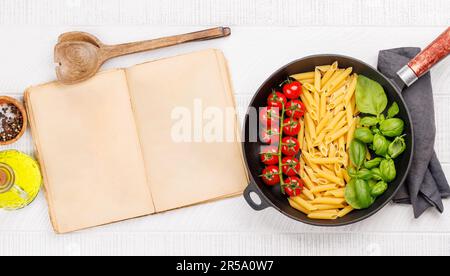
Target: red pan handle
<point>422,63</point>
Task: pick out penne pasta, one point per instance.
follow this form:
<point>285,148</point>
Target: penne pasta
<point>301,134</point>
<point>330,177</point>
<point>341,146</point>
<point>308,81</point>
<point>349,111</point>
<point>308,141</point>
<point>323,68</point>
<point>340,193</point>
<point>303,76</point>
<point>311,129</point>
<point>326,84</point>
<point>325,160</point>
<point>308,194</point>
<point>312,175</point>
<point>346,176</point>
<point>340,92</point>
<point>335,121</point>
<point>326,131</point>
<point>317,79</point>
<point>324,149</point>
<point>324,123</point>
<point>303,203</point>
<point>339,171</point>
<point>345,211</point>
<point>325,215</point>
<point>339,108</point>
<point>328,200</point>
<point>332,151</point>
<point>324,207</point>
<point>308,182</point>
<point>329,74</point>
<point>341,85</point>
<point>310,87</point>
<point>336,102</point>
<point>342,123</point>
<point>306,102</point>
<point>327,168</point>
<point>298,207</point>
<point>321,181</point>
<point>337,79</point>
<point>307,156</point>
<point>351,89</point>
<point>350,134</point>
<point>353,103</point>
<point>323,106</point>
<point>345,160</point>
<point>336,193</point>
<point>336,135</point>
<point>323,188</point>
<point>319,141</point>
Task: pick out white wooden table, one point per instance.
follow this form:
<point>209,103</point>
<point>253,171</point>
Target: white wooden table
<point>266,35</point>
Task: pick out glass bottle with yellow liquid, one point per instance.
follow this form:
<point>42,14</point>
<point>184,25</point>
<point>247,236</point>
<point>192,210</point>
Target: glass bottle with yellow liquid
<point>20,180</point>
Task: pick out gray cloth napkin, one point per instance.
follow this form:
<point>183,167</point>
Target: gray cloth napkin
<point>426,183</point>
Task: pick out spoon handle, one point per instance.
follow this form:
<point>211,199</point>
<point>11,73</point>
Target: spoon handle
<point>111,51</point>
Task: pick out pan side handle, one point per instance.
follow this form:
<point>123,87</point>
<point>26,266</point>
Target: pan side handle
<point>258,206</point>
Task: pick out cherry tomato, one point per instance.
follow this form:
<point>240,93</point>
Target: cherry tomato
<point>292,89</point>
<point>295,109</point>
<point>269,116</point>
<point>290,146</point>
<point>291,166</point>
<point>270,135</point>
<point>294,186</point>
<point>271,175</point>
<point>276,99</point>
<point>291,127</point>
<point>269,155</point>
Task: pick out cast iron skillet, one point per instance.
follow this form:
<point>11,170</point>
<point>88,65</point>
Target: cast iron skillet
<point>271,196</point>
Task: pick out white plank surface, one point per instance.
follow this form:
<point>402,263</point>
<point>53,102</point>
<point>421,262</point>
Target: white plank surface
<point>266,35</point>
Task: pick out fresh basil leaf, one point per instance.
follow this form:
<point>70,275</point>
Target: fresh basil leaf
<point>364,174</point>
<point>388,171</point>
<point>375,130</point>
<point>397,147</point>
<point>370,96</point>
<point>350,195</point>
<point>364,135</point>
<point>379,189</point>
<point>392,127</point>
<point>369,121</point>
<point>380,145</point>
<point>363,194</point>
<point>352,172</point>
<point>374,163</point>
<point>376,174</point>
<point>358,153</point>
<point>393,111</point>
<point>358,194</point>
<point>372,183</point>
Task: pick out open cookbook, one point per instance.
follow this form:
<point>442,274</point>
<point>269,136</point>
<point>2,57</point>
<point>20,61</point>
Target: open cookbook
<point>106,149</point>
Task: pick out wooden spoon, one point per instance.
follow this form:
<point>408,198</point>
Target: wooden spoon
<point>80,55</point>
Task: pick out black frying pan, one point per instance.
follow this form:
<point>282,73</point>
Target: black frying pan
<point>271,196</point>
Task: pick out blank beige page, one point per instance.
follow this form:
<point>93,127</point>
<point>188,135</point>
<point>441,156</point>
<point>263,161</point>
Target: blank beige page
<point>89,151</point>
<point>185,173</point>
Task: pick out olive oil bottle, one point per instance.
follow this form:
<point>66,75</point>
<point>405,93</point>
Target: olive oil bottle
<point>20,180</point>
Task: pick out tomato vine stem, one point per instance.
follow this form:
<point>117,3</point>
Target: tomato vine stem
<point>280,154</point>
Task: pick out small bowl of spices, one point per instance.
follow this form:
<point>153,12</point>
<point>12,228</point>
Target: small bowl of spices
<point>13,120</point>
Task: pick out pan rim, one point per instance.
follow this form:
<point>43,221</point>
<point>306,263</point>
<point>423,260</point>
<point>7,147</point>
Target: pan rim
<point>336,223</point>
